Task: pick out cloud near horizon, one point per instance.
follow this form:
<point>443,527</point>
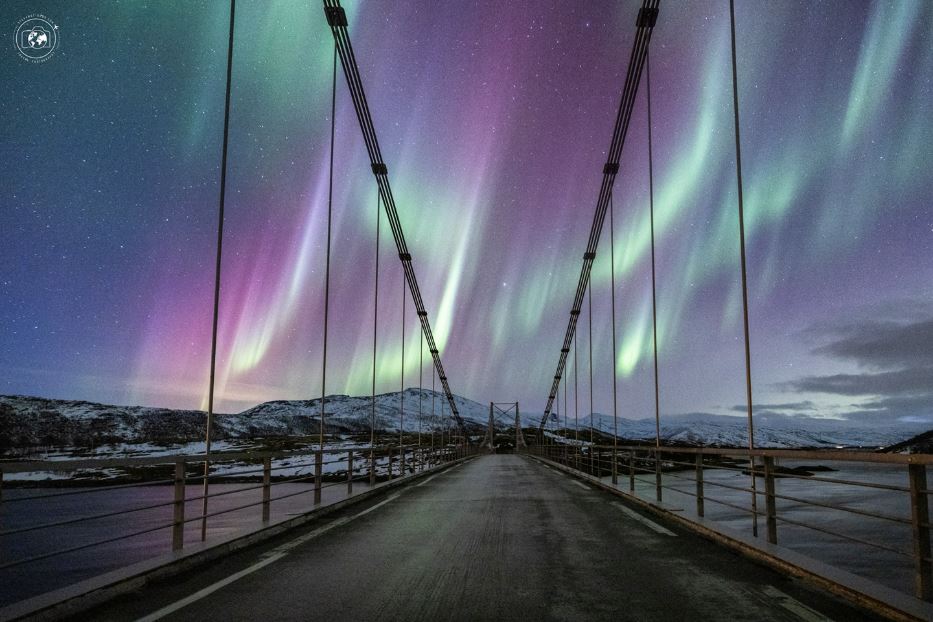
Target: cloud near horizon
<point>897,357</point>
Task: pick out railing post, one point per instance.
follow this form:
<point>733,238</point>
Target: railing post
<point>631,471</point>
<point>401,464</point>
<point>372,466</point>
<point>266,487</point>
<point>770,505</point>
<point>615,467</point>
<point>349,473</point>
<point>178,520</point>
<point>657,475</point>
<point>389,453</point>
<point>318,473</point>
<point>920,522</point>
<point>699,478</point>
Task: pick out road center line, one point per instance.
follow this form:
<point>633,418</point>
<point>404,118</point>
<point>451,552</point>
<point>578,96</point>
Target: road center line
<point>644,521</point>
<point>795,606</point>
<point>272,556</point>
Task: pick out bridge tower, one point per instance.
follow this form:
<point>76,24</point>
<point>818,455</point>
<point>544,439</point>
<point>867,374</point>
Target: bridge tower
<point>490,441</point>
<point>519,437</point>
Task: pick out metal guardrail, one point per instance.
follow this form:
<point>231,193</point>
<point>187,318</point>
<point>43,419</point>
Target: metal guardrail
<point>363,464</point>
<point>685,466</point>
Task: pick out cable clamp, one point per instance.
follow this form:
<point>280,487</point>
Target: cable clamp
<point>379,168</point>
<point>336,16</point>
<point>647,18</point>
<point>611,168</point>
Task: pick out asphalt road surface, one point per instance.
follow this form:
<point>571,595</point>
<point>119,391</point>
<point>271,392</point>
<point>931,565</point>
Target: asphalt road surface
<point>500,537</point>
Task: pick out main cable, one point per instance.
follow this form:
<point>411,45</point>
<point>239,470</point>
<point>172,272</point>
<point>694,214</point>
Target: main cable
<point>337,20</point>
<point>647,18</point>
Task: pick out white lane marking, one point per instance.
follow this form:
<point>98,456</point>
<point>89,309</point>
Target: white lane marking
<point>333,525</point>
<point>428,480</point>
<point>795,606</point>
<point>272,556</point>
<point>644,521</point>
<point>184,602</point>
<point>581,485</point>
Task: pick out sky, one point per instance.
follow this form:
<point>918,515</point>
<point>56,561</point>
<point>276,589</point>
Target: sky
<point>494,120</point>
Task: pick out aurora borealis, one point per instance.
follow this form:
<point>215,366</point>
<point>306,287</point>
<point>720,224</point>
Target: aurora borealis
<point>493,119</point>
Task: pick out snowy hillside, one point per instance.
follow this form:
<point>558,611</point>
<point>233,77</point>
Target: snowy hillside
<point>729,431</point>
<point>31,422</point>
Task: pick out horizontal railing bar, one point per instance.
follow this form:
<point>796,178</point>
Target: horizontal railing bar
<point>88,490</point>
<point>790,454</point>
<point>81,519</point>
<point>838,508</point>
<point>882,547</point>
<point>79,547</point>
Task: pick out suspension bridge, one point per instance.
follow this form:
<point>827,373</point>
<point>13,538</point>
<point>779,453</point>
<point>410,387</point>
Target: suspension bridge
<point>518,522</point>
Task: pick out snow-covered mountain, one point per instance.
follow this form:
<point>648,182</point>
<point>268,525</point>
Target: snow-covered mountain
<point>31,421</point>
<point>731,431</point>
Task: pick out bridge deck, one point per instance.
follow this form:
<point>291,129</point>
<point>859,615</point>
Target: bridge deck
<point>500,537</point>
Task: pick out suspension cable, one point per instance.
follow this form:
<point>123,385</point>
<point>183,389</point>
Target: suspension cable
<point>654,296</point>
<point>612,281</point>
<point>589,342</point>
<point>420,387</point>
<point>748,352</point>
<point>576,394</point>
<point>433,396</point>
<point>372,417</point>
<point>647,18</point>
<point>330,206</point>
<point>220,241</point>
<point>337,20</point>
<point>401,402</point>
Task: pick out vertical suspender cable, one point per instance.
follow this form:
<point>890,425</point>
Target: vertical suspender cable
<point>330,205</point>
<point>372,416</point>
<point>654,296</point>
<point>576,401</point>
<point>420,389</point>
<point>401,403</point>
<point>748,353</point>
<point>615,401</point>
<point>220,240</point>
<point>589,294</point>
<point>433,396</point>
<point>566,425</point>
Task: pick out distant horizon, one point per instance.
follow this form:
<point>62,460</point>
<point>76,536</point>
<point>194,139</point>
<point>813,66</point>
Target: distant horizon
<point>765,418</point>
<point>493,121</point>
